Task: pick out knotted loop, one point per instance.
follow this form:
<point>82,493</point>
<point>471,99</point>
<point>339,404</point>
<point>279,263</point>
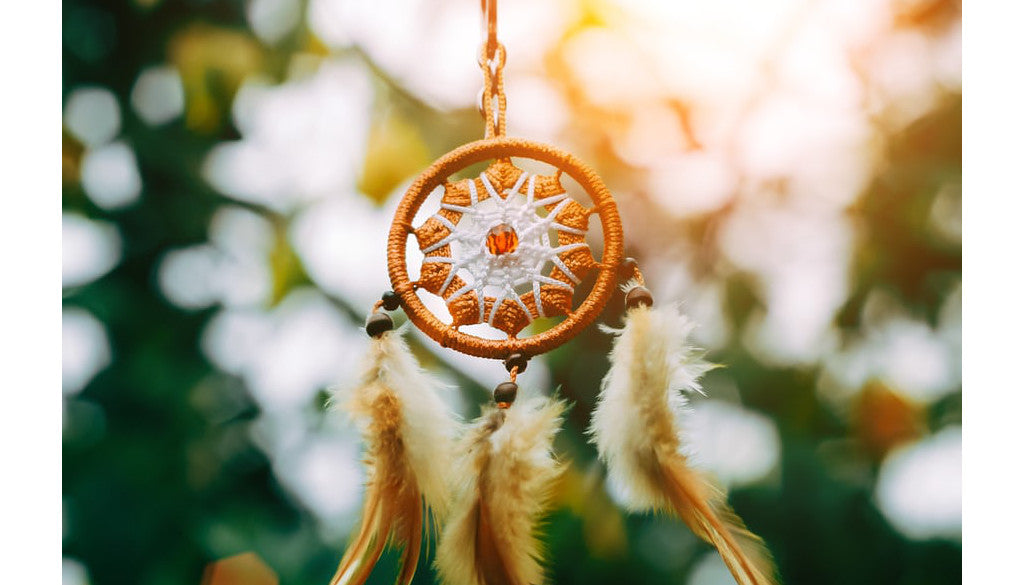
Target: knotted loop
<point>492,98</point>
<point>492,60</point>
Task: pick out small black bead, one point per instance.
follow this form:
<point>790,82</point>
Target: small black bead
<point>518,361</point>
<point>505,394</point>
<point>378,323</point>
<point>390,300</point>
<point>638,296</point>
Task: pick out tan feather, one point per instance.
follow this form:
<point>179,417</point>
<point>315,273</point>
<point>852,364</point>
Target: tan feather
<point>502,488</point>
<point>408,435</point>
<point>704,510</point>
<point>637,427</point>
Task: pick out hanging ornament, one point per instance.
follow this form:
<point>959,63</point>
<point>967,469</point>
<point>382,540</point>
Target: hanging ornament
<point>508,249</point>
<point>408,435</point>
<point>501,489</point>
<point>638,432</point>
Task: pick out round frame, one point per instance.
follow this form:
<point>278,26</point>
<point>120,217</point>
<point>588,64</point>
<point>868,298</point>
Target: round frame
<point>495,148</point>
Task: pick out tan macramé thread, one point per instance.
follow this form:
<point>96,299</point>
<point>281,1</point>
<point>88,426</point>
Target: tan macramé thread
<point>513,315</point>
<point>431,232</point>
<point>501,148</point>
<point>493,96</point>
<point>503,174</point>
<point>464,309</point>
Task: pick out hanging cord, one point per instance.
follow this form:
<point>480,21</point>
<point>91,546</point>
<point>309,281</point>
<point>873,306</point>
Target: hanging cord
<point>489,10</point>
<point>492,62</point>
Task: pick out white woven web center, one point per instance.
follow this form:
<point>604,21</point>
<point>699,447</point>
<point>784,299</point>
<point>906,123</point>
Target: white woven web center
<point>498,276</point>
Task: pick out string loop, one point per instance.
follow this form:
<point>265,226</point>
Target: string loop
<point>493,96</point>
<point>492,62</point>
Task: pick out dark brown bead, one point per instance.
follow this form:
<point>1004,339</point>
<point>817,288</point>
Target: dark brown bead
<point>378,323</point>
<point>638,296</point>
<point>505,394</point>
<point>390,300</point>
<point>627,268</point>
<point>518,361</point>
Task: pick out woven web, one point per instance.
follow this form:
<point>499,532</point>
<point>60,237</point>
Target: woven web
<point>505,290</point>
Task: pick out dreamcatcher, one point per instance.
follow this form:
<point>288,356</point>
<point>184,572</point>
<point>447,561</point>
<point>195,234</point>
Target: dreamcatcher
<point>507,247</point>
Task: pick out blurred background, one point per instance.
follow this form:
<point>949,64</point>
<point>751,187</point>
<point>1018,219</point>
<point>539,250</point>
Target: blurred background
<point>789,171</point>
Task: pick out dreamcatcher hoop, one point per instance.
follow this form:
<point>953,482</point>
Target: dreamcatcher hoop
<point>494,148</point>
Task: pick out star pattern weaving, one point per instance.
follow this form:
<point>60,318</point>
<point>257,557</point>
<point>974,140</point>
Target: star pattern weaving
<point>488,249</point>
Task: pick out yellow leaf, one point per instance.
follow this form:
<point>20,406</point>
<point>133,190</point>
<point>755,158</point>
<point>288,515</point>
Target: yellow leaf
<point>395,151</point>
<point>212,62</point>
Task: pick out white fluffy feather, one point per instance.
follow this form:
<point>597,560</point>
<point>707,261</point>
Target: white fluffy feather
<point>503,486</point>
<point>642,401</point>
<point>428,427</point>
<point>638,427</point>
<point>409,439</point>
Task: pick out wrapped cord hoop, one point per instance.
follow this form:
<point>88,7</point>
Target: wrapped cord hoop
<point>500,147</point>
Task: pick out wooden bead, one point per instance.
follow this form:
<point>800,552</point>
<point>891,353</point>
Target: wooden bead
<point>505,394</point>
<point>390,300</point>
<point>518,361</point>
<point>637,296</point>
<point>378,323</point>
<point>627,268</point>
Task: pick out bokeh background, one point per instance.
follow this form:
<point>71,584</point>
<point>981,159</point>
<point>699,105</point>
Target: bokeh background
<point>787,170</point>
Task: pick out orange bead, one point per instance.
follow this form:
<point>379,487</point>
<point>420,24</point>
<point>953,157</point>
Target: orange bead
<point>502,239</point>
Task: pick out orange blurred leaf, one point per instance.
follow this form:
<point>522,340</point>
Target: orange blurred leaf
<point>242,569</point>
<point>395,151</point>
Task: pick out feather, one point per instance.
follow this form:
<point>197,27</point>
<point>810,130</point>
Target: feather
<point>502,488</point>
<point>637,427</point>
<point>408,434</point>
